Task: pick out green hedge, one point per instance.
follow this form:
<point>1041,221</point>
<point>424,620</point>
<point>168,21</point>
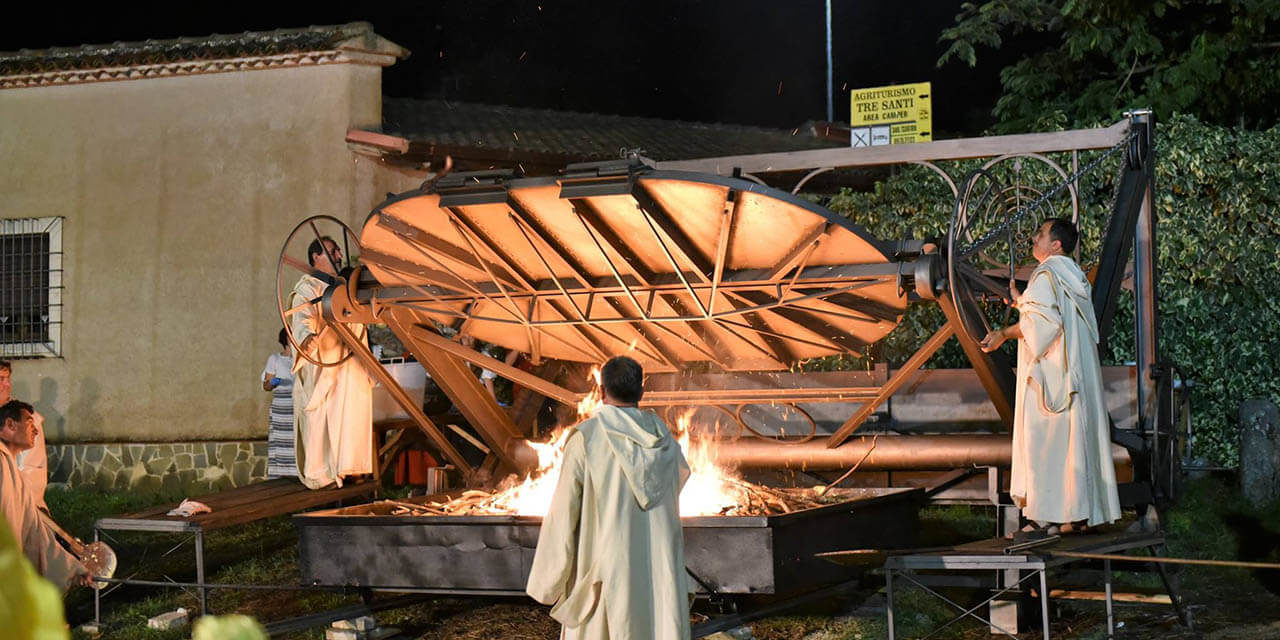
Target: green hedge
<point>1218,199</point>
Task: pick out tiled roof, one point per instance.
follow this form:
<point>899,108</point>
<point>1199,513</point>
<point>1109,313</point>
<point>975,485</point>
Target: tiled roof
<point>584,136</point>
<point>213,47</point>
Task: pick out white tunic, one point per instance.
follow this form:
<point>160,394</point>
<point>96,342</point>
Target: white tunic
<point>332,406</point>
<point>33,535</point>
<point>1062,470</point>
<point>610,554</point>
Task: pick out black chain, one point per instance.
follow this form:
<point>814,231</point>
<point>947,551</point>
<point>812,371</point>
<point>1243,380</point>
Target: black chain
<point>1111,212</point>
<point>1025,211</point>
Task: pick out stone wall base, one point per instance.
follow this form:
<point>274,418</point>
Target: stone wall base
<point>170,467</point>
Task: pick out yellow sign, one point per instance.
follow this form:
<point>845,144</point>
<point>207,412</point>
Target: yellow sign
<point>895,114</point>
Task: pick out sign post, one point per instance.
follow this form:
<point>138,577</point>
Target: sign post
<point>895,114</point>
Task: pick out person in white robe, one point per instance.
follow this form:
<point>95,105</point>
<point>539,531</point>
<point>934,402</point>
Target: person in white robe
<point>34,462</point>
<point>1062,473</point>
<point>332,406</point>
<point>610,556</point>
<point>37,540</point>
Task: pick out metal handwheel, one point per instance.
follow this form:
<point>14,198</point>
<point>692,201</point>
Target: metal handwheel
<point>294,262</point>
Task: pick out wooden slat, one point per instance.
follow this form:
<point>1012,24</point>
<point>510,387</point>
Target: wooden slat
<point>253,502</point>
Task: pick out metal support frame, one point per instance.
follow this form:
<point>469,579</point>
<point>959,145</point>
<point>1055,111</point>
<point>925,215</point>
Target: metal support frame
<point>896,382</point>
<point>178,527</point>
<point>456,379</point>
<point>1023,565</point>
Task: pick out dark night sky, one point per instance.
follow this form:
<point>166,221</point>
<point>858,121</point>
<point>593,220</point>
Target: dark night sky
<point>759,62</point>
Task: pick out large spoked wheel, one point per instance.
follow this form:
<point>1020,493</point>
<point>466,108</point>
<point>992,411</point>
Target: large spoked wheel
<point>986,245</point>
<point>293,264</point>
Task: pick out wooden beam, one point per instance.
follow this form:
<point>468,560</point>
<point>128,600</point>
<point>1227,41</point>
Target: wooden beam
<point>456,379</point>
<point>958,149</point>
<point>891,386</point>
<point>524,378</point>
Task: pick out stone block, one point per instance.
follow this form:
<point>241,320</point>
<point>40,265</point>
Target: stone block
<point>93,453</point>
<point>240,473</point>
<point>1260,451</point>
<point>199,460</point>
<point>260,449</point>
<point>124,479</point>
<point>110,463</point>
<point>227,454</point>
<point>186,477</point>
<point>164,450</point>
<point>61,471</point>
<point>171,620</point>
<point>183,461</point>
<point>363,623</point>
<point>160,466</point>
<point>259,469</point>
<point>104,480</point>
<point>136,451</point>
<point>114,449</point>
<point>211,452</point>
<point>242,455</point>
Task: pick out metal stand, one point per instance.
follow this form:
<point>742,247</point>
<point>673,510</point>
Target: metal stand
<point>988,555</point>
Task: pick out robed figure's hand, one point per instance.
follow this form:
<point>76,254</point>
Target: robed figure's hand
<point>993,340</point>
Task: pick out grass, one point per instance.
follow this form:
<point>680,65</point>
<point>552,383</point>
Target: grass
<point>1209,521</point>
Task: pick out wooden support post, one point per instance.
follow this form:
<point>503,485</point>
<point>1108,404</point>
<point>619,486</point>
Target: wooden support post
<point>456,379</point>
<point>548,389</point>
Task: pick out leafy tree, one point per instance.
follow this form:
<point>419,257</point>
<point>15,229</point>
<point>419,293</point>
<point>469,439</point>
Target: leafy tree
<point>1218,60</point>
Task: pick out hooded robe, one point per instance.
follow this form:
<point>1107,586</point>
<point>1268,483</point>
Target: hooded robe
<point>33,535</point>
<point>332,406</point>
<point>1062,470</point>
<point>610,554</point>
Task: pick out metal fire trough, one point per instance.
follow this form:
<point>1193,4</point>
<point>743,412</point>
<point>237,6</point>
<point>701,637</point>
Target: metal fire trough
<point>365,546</point>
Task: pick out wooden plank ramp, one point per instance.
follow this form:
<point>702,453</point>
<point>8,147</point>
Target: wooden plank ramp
<point>250,503</point>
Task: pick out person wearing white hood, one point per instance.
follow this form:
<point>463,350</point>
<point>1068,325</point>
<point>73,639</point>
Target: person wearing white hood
<point>610,556</point>
<point>1062,475</point>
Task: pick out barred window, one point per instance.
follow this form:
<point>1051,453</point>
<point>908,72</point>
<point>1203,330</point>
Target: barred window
<point>31,287</point>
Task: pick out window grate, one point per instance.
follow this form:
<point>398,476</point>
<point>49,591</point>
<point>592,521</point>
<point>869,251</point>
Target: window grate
<point>31,287</point>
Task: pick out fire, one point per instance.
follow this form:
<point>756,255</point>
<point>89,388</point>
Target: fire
<point>710,490</point>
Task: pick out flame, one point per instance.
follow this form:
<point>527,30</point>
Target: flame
<point>710,490</point>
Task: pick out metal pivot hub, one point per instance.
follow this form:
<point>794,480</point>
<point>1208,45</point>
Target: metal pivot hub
<point>295,263</point>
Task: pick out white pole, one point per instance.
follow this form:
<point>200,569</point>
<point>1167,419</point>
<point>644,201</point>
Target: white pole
<point>830,98</point>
